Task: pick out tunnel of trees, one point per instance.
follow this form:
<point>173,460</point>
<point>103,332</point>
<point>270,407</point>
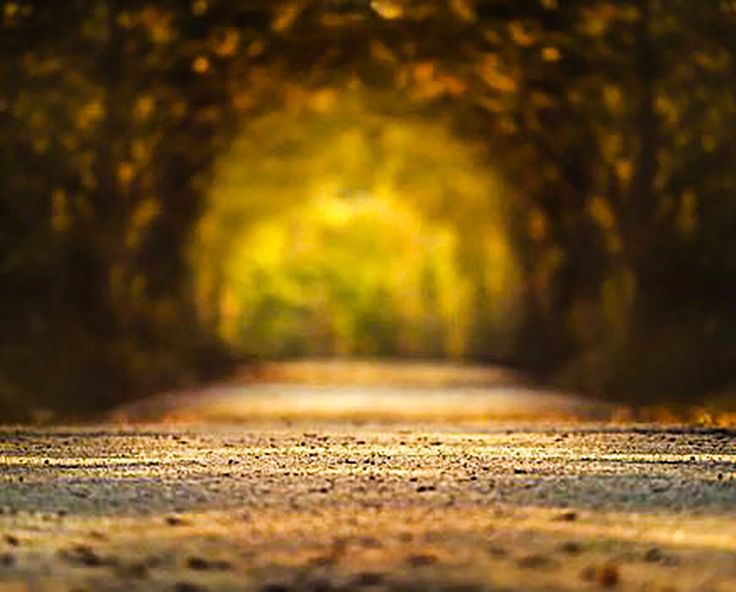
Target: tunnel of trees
<point>580,151</point>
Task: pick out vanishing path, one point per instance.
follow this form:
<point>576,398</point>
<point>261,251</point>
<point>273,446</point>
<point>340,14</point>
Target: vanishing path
<point>383,392</point>
<point>336,500</point>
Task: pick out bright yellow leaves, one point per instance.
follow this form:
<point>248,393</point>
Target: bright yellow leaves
<point>388,9</point>
<point>226,42</point>
<point>521,34</point>
<point>159,24</point>
<point>687,216</point>
<point>600,210</point>
<point>60,218</point>
<point>143,215</point>
<point>551,54</point>
<point>90,115</point>
<point>285,16</point>
<point>201,65</point>
<point>126,173</point>
<point>223,43</point>
<point>494,73</point>
<point>200,7</point>
<point>537,225</point>
<point>599,17</point>
<point>429,82</point>
<point>12,12</point>
<point>144,107</point>
<point>464,10</point>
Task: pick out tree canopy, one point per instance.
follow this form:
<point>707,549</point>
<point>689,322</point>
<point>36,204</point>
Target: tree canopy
<point>610,126</point>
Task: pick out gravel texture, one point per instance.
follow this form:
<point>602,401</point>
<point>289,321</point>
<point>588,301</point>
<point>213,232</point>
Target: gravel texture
<point>323,502</point>
<point>346,507</point>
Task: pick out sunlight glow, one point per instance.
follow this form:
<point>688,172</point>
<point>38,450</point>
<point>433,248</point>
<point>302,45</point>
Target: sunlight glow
<point>344,231</point>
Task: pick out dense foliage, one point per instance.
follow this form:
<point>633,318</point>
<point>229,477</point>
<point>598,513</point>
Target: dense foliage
<point>611,123</point>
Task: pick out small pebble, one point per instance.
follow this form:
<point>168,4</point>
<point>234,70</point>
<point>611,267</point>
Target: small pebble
<point>606,576</point>
<point>175,521</point>
<point>83,555</point>
<point>533,561</point>
<point>137,570</point>
<point>202,564</point>
<point>369,578</point>
<point>7,560</point>
<point>318,585</point>
<point>571,548</point>
<point>188,587</point>
<point>274,588</point>
<point>421,560</point>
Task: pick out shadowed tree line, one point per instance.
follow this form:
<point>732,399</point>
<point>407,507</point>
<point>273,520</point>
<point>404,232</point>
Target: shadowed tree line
<point>612,124</point>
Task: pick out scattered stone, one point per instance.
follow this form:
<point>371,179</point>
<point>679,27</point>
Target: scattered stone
<point>367,579</point>
<point>188,587</point>
<point>202,564</point>
<point>318,585</point>
<point>370,542</point>
<point>534,562</point>
<point>421,560</point>
<point>156,561</point>
<point>83,555</point>
<point>7,560</point>
<point>274,588</point>
<point>571,547</point>
<point>322,561</point>
<point>655,555</point>
<point>606,576</point>
<point>136,570</point>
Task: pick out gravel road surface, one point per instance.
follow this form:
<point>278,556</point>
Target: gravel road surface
<point>332,502</point>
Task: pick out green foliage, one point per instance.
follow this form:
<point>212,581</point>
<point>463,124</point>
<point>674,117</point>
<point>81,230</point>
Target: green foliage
<point>364,235</point>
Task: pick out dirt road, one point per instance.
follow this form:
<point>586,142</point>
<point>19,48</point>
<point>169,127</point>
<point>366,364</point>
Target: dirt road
<point>340,501</point>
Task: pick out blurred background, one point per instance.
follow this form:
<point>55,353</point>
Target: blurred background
<point>189,184</point>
